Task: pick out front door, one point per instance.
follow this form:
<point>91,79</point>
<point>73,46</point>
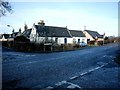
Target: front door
<point>65,40</point>
<point>78,40</point>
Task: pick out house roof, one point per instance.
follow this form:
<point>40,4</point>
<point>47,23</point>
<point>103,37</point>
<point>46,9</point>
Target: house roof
<point>15,33</point>
<point>52,31</point>
<point>76,33</point>
<point>27,32</point>
<point>5,35</point>
<point>94,34</point>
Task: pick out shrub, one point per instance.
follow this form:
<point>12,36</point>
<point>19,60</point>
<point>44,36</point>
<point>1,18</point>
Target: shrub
<point>21,39</point>
<point>66,46</point>
<point>76,46</point>
<point>91,42</point>
<point>21,43</point>
<point>100,43</point>
<point>57,47</point>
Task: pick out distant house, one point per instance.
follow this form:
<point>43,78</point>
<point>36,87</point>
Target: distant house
<point>15,34</point>
<point>92,35</point>
<point>6,37</point>
<point>9,37</point>
<point>78,36</point>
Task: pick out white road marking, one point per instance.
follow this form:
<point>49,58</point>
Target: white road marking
<point>91,70</point>
<point>48,88</point>
<point>109,56</point>
<point>74,77</point>
<point>104,55</point>
<point>27,55</point>
<point>60,83</point>
<point>83,73</point>
<point>97,68</point>
<point>72,86</point>
<point>112,60</point>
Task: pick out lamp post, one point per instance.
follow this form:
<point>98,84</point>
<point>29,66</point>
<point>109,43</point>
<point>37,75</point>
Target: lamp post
<point>103,38</point>
<point>12,35</point>
<point>96,42</point>
<point>11,26</point>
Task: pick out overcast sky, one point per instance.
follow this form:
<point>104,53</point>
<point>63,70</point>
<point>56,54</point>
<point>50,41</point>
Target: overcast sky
<point>97,16</point>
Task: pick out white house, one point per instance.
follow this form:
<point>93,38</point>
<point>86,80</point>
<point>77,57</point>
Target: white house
<point>61,35</point>
<point>2,38</point>
<point>6,37</point>
<point>9,37</point>
<point>78,36</point>
<point>46,34</point>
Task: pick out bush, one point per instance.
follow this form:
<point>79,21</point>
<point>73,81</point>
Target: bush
<point>100,43</point>
<point>21,39</point>
<point>91,42</point>
<point>57,47</point>
<point>4,43</point>
<point>66,46</point>
<point>21,43</point>
<point>76,46</point>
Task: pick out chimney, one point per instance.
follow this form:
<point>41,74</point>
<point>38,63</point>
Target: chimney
<point>19,30</point>
<point>25,27</point>
<point>41,23</point>
<point>66,26</point>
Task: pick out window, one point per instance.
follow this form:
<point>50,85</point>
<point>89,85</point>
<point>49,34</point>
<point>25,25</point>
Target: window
<point>83,40</point>
<point>74,40</point>
<point>88,40</point>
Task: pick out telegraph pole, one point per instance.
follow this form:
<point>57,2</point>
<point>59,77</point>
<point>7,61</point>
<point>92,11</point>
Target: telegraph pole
<point>103,38</point>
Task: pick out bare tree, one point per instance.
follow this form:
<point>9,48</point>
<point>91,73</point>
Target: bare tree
<point>5,7</point>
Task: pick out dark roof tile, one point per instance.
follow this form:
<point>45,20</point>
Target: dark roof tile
<point>7,36</point>
<point>76,33</point>
<point>52,31</point>
<point>27,32</point>
<point>94,34</point>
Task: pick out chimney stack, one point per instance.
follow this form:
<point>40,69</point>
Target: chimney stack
<point>25,27</point>
<point>41,23</point>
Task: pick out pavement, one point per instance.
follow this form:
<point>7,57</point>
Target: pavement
<point>87,68</point>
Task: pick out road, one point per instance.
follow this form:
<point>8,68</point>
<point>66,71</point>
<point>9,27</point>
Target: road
<point>87,68</point>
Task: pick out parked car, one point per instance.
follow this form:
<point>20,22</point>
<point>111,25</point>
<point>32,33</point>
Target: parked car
<point>83,44</point>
